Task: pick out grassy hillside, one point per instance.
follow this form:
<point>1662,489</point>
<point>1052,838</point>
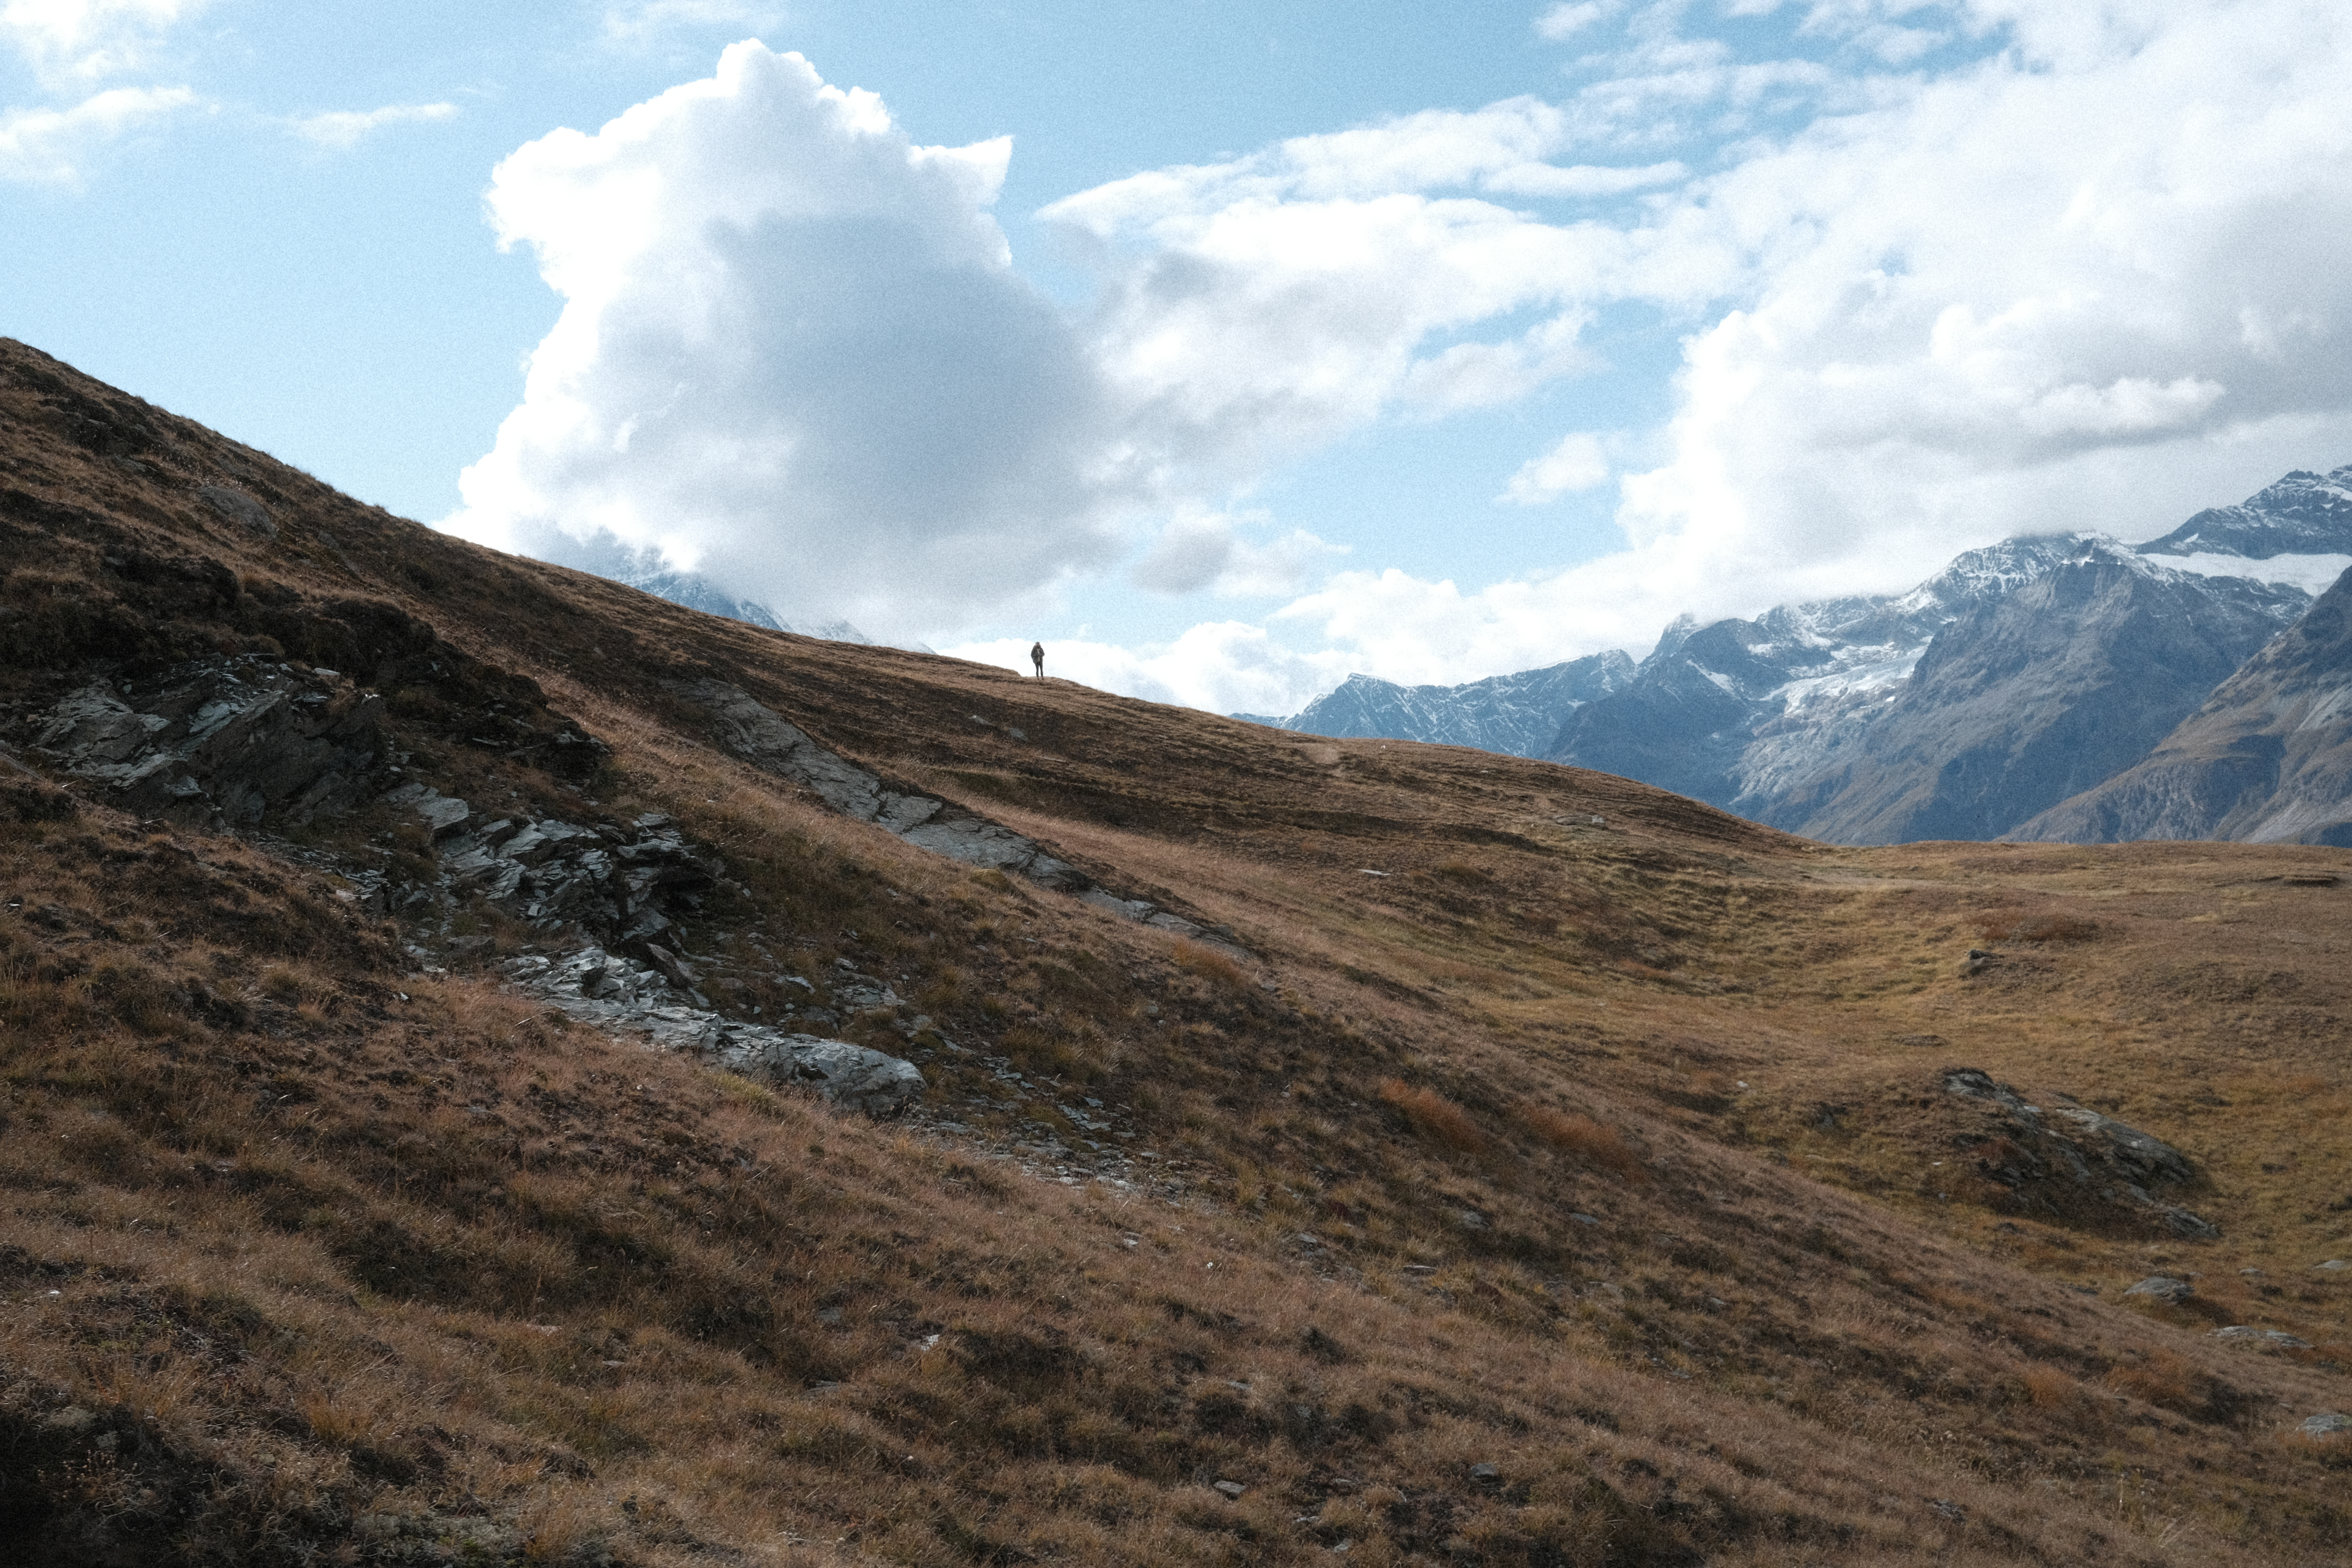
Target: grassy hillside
<point>1521,1166</point>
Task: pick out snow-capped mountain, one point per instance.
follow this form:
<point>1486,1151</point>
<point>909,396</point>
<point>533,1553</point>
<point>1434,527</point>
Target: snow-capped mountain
<point>1519,713</point>
<point>697,592</point>
<point>2302,514</point>
<point>2019,675</point>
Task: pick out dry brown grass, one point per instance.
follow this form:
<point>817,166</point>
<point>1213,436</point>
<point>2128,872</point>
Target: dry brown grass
<point>321,1251</point>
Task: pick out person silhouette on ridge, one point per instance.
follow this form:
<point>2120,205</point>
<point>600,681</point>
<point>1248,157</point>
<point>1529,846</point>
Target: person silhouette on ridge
<point>1037,658</point>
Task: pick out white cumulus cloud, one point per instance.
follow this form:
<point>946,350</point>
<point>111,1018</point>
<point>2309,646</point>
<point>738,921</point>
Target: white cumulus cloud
<point>1577,461</point>
<point>793,354</point>
<point>2091,277</point>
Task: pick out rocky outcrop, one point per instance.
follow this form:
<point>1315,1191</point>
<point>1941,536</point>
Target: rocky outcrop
<point>615,882</point>
<point>223,743</point>
<point>756,733</point>
<point>632,1001</point>
<point>2071,1164</point>
<point>2267,758</point>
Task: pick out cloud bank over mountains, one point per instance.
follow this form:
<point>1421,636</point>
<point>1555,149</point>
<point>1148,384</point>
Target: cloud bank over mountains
<point>1921,274</point>
<point>1945,272</point>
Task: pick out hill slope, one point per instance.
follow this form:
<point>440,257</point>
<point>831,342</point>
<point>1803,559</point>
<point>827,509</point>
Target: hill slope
<point>423,975</point>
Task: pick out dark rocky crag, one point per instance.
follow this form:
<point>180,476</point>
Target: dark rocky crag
<point>2267,759</point>
<point>2034,697</point>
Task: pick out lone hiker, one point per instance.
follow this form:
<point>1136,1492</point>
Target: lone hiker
<point>1037,658</point>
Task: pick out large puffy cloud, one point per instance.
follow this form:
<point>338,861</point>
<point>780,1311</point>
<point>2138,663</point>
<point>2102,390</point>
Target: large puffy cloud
<point>2075,283</point>
<point>794,355</point>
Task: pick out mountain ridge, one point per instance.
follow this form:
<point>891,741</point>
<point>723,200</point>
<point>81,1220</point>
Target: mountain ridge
<point>1812,716</point>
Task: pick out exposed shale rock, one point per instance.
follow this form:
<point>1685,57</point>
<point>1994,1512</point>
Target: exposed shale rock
<point>749,730</point>
<point>215,744</point>
<point>615,882</point>
<point>2070,1163</point>
<point>628,1000</point>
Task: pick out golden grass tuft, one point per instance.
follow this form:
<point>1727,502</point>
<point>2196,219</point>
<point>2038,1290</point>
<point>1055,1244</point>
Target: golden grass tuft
<point>1196,958</point>
<point>2023,925</point>
<point>1596,1143</point>
<point>1435,1116</point>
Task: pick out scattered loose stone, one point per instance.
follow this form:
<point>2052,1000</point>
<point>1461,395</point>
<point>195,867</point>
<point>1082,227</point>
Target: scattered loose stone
<point>1233,1490</point>
<point>2261,1339</point>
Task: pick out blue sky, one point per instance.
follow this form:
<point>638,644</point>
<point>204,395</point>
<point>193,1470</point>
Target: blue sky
<point>1281,342</point>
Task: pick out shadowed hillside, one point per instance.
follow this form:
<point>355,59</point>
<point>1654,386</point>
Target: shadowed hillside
<point>422,1140</point>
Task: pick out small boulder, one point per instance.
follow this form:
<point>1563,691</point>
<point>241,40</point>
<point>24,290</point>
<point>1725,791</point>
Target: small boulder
<point>2327,1424</point>
<point>2261,1339</point>
<point>2172,1292</point>
<point>239,508</point>
<point>1232,1491</point>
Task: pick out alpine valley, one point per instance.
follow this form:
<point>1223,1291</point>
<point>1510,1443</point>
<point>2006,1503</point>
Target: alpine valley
<point>2000,697</point>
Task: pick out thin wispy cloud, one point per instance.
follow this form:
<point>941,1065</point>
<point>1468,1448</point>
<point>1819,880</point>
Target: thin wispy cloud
<point>58,146</point>
<point>340,130</point>
<point>639,21</point>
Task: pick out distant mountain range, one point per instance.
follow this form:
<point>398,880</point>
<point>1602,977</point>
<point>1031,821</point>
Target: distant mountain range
<point>642,568</point>
<point>1519,713</point>
<point>2053,687</point>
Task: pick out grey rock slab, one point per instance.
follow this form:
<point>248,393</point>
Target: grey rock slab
<point>441,814</point>
<point>625,999</point>
<point>2149,1158</point>
<point>2327,1424</point>
<point>749,730</point>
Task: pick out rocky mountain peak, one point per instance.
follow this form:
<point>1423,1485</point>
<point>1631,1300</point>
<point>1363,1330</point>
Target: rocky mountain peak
<point>2304,514</point>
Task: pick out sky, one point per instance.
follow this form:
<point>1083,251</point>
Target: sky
<point>1226,348</point>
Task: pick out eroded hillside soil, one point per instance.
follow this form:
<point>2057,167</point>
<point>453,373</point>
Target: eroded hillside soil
<point>1321,1144</point>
